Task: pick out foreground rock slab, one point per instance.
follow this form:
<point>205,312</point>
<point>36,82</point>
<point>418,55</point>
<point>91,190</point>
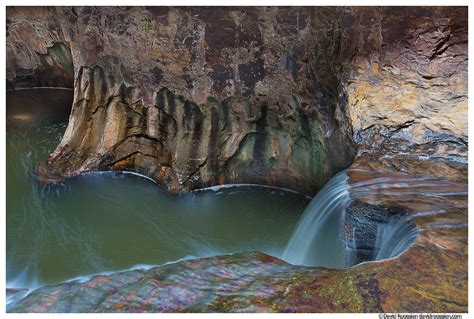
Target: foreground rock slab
<point>255,282</point>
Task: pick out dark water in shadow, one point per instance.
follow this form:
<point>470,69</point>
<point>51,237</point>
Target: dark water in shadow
<point>112,221</point>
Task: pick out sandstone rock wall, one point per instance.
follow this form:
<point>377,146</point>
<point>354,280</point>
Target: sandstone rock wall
<point>194,97</point>
<point>37,53</point>
<point>410,92</point>
<point>199,96</point>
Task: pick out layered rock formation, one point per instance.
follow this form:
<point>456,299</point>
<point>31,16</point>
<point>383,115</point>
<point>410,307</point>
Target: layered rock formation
<point>194,97</point>
<point>156,88</point>
<point>409,94</point>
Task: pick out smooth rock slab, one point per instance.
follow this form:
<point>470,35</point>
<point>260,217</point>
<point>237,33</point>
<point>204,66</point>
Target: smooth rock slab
<point>255,282</point>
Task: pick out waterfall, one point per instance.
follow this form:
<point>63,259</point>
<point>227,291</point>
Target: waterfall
<point>316,240</point>
<point>394,237</point>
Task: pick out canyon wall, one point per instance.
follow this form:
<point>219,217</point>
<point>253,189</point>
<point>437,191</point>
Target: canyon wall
<point>37,53</point>
<point>409,94</point>
<point>194,97</point>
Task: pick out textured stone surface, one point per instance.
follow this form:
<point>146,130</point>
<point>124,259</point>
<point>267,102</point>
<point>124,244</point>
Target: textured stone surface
<point>37,53</point>
<point>400,74</point>
<point>410,92</point>
<point>184,145</point>
<point>194,97</point>
<point>374,232</point>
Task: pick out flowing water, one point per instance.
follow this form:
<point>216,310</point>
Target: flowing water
<point>317,239</point>
<point>112,221</point>
<point>109,221</point>
<point>394,237</point>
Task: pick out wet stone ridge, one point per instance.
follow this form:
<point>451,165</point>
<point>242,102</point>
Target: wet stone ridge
<point>255,282</point>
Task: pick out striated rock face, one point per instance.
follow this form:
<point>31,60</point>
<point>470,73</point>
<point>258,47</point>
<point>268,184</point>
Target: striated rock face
<point>185,145</point>
<point>156,88</point>
<point>194,97</point>
<point>181,144</point>
<point>375,232</point>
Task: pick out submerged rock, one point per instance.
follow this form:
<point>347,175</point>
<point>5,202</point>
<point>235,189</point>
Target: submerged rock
<point>12,293</point>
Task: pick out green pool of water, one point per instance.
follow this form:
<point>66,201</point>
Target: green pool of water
<point>111,221</point>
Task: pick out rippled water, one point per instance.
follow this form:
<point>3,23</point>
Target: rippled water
<point>112,221</point>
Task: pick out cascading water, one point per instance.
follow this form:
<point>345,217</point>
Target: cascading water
<point>334,231</point>
<point>316,240</point>
<point>394,237</point>
<point>78,216</point>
